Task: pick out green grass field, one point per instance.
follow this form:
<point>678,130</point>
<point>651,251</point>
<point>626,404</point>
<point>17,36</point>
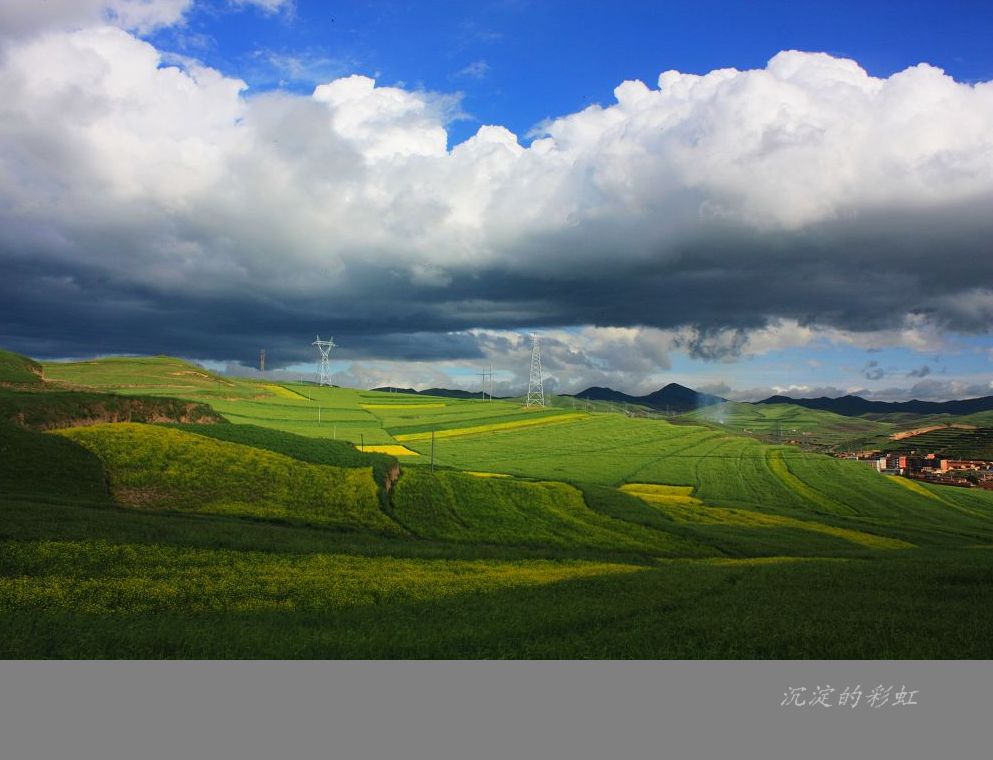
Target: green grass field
<point>602,535</point>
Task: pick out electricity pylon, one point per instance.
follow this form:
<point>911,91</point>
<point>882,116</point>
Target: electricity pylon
<point>324,346</point>
<point>536,392</point>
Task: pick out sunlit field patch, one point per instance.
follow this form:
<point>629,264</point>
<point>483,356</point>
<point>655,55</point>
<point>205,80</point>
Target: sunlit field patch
<point>391,449</point>
<point>404,406</point>
<point>685,509</point>
<point>279,390</point>
<point>777,464</point>
<point>493,427</point>
<point>910,485</point>
<point>661,494</point>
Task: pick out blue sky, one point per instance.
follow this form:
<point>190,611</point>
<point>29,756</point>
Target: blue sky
<point>518,63</point>
<point>429,181</point>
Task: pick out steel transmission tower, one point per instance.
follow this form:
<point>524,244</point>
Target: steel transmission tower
<point>536,393</point>
<point>324,346</point>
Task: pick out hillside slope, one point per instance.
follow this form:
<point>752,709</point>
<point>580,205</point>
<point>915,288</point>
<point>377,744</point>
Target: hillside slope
<point>455,506</point>
<point>46,467</point>
<point>148,374</point>
<point>152,467</point>
<point>51,409</point>
<point>18,369</point>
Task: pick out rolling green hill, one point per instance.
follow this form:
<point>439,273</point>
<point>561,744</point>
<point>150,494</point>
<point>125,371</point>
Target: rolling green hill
<point>15,368</point>
<point>151,467</point>
<point>776,423</point>
<point>145,374</point>
<point>312,450</point>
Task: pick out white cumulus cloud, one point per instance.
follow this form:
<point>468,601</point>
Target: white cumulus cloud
<point>21,17</point>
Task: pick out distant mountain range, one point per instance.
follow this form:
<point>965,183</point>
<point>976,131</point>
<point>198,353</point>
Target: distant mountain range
<point>678,398</point>
<point>673,397</point>
<point>855,406</point>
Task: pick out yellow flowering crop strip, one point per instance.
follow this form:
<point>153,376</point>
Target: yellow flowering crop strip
<point>678,504</point>
<point>779,468</point>
<point>279,390</point>
<point>391,449</point>
<point>917,488</point>
<point>496,426</point>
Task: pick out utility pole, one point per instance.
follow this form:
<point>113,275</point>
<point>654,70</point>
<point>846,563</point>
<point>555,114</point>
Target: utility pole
<point>262,362</point>
<point>483,376</point>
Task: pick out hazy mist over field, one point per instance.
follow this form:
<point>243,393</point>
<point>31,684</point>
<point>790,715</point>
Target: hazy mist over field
<point>176,178</point>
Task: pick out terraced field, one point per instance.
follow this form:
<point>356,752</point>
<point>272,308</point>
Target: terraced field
<point>950,442</point>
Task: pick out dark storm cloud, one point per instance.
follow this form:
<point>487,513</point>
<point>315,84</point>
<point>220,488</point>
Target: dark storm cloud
<point>68,308</point>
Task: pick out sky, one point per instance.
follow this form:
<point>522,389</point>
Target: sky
<point>745,198</point>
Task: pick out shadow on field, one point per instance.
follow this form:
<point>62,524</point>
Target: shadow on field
<point>723,609</point>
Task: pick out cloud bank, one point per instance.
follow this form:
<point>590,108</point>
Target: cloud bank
<point>148,203</point>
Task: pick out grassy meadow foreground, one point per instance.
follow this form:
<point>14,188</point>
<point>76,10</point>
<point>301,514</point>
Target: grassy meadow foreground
<point>152,509</point>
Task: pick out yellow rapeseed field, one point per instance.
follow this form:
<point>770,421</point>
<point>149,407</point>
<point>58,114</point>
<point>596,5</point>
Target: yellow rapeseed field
<point>679,505</point>
<point>279,390</point>
<point>493,427</point>
<point>391,449</point>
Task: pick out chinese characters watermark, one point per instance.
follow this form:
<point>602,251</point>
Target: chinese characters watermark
<point>850,696</point>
